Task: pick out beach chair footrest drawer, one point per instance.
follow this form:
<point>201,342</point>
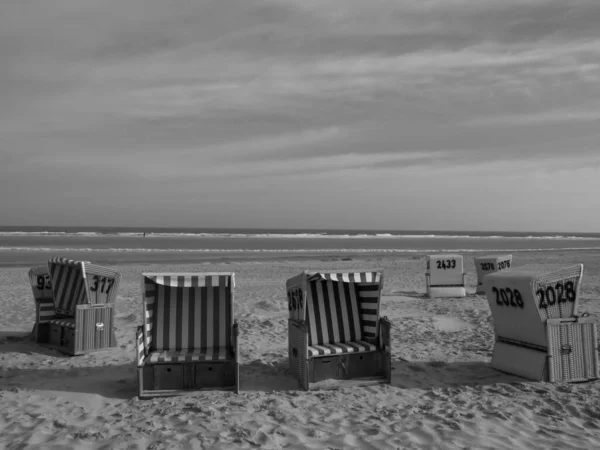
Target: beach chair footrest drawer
<point>188,376</point>
<point>324,368</point>
<point>62,337</point>
<point>360,365</point>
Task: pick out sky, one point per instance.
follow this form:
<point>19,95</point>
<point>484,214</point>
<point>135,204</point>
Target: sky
<point>354,114</point>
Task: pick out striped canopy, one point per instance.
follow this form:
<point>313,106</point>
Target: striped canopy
<point>66,261</point>
<point>191,279</point>
<point>346,277</point>
<point>68,284</point>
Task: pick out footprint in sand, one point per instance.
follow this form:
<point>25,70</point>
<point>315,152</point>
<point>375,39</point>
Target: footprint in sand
<point>450,324</point>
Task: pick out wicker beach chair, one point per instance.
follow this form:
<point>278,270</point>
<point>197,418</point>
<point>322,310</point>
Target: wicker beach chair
<point>41,285</point>
<point>539,334</point>
<point>445,276</point>
<point>81,317</point>
<point>484,265</point>
<point>335,334</point>
<point>189,339</point>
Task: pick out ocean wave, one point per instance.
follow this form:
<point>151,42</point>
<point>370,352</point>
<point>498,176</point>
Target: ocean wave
<point>324,235</point>
<point>296,250</point>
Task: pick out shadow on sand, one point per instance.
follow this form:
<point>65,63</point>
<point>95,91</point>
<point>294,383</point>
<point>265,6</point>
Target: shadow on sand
<point>119,381</point>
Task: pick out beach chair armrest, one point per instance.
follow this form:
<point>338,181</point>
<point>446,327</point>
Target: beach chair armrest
<point>298,338</point>
<point>235,341</point>
<point>385,334</point>
<point>140,348</point>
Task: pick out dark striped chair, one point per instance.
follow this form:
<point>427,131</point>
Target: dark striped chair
<point>189,337</point>
<point>41,285</point>
<point>81,316</point>
<point>335,331</point>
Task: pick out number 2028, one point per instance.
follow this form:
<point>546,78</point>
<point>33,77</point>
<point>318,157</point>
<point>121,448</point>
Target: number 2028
<point>508,297</point>
<point>560,293</point>
<point>446,264</point>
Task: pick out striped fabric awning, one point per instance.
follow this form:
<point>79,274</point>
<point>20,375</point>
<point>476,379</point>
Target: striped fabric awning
<point>65,261</point>
<point>191,280</point>
<point>347,277</point>
<point>68,284</point>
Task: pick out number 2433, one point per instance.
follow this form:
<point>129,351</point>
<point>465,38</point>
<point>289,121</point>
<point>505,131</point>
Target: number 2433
<point>446,264</point>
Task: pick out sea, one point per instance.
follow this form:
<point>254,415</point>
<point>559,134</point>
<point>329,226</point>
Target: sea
<point>20,246</point>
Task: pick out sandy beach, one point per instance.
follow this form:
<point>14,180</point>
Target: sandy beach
<point>443,394</point>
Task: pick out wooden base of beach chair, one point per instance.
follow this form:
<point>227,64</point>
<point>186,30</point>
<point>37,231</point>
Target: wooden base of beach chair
<point>349,369</point>
<point>170,379</point>
<point>93,331</point>
<point>446,291</point>
<point>571,356</point>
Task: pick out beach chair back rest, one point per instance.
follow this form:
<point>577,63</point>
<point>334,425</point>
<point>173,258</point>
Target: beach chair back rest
<point>487,264</point>
<point>188,311</point>
<point>41,283</point>
<point>445,270</point>
<point>522,299</point>
<point>68,285</point>
<point>342,307</point>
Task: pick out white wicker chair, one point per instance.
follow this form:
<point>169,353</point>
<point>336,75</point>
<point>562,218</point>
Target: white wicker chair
<point>539,334</point>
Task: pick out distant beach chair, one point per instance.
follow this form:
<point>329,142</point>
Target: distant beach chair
<point>487,264</point>
<point>334,329</point>
<point>445,276</point>
<point>81,317</point>
<point>539,334</point>
<point>189,339</point>
<point>41,285</point>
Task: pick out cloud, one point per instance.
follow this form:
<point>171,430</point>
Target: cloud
<point>194,93</point>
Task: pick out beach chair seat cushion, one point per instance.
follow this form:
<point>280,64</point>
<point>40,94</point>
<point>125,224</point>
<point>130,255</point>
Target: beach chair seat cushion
<point>341,348</point>
<point>64,322</point>
<point>191,355</point>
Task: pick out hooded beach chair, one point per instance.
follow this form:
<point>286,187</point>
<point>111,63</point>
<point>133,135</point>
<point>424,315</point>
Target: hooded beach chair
<point>81,318</point>
<point>539,334</point>
<point>334,329</point>
<point>41,285</point>
<point>445,276</point>
<point>189,337</point>
<point>484,265</point>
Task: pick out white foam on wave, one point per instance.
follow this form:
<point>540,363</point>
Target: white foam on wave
<point>289,235</point>
<point>295,250</point>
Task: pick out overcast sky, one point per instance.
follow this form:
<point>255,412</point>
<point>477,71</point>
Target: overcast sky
<point>407,114</point>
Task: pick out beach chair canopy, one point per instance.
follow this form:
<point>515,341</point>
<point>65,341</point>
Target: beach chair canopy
<point>73,284</point>
<point>188,317</point>
<point>40,281</point>
<point>487,264</point>
<point>523,299</point>
<point>445,270</point>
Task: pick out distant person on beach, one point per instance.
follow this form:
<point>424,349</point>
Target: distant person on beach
<point>144,234</point>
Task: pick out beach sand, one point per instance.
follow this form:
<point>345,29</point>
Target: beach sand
<point>444,394</point>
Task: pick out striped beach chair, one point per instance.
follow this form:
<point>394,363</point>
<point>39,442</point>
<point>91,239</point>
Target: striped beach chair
<point>81,318</point>
<point>189,339</point>
<point>539,333</point>
<point>334,329</point>
<point>41,285</point>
